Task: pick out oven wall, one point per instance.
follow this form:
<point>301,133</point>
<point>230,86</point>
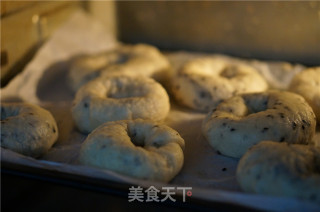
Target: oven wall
<point>264,30</point>
<point>284,30</point>
<point>25,25</point>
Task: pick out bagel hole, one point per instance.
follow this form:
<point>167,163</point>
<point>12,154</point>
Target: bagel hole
<point>114,58</point>
<point>135,138</point>
<point>256,105</point>
<point>229,72</point>
<point>252,110</point>
<point>123,58</point>
<point>123,90</point>
<point>123,94</point>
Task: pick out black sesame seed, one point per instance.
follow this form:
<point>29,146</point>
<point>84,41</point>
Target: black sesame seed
<point>137,161</point>
<point>313,197</point>
<point>218,152</point>
<point>303,127</point>
<point>281,115</point>
<point>195,102</point>
<point>86,105</point>
<point>264,129</point>
<point>286,107</point>
<point>224,169</point>
<point>192,81</point>
<point>232,129</point>
<point>282,139</point>
<point>53,130</point>
<point>157,145</point>
<point>270,116</point>
<point>203,94</point>
<point>294,125</point>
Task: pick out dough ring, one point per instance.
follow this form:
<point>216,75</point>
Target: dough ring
<point>141,59</point>
<point>307,84</point>
<point>119,97</point>
<point>204,82</point>
<point>244,120</point>
<point>281,169</point>
<point>136,148</point>
<point>27,129</point>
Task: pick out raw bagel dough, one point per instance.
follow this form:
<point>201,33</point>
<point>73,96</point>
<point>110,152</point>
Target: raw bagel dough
<point>244,120</point>
<point>142,59</point>
<point>119,97</point>
<point>27,129</point>
<point>307,84</point>
<point>136,148</point>
<point>281,169</point>
<point>204,82</point>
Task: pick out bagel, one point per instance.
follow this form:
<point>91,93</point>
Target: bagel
<point>203,83</point>
<point>307,84</point>
<point>281,169</point>
<point>244,120</point>
<point>142,59</point>
<point>119,97</point>
<point>136,148</point>
<point>27,129</point>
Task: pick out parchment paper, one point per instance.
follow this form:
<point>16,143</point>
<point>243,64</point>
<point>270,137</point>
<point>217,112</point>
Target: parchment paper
<point>44,82</point>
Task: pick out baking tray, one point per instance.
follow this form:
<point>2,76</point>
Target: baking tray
<point>36,84</point>
<point>14,175</point>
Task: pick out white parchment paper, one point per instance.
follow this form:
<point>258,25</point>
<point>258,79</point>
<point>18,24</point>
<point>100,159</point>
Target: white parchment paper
<point>44,82</point>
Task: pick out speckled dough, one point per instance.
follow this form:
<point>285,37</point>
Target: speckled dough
<point>281,169</point>
<point>204,82</point>
<point>141,59</point>
<point>244,120</point>
<point>140,149</point>
<point>119,97</point>
<point>307,84</point>
<point>27,129</point>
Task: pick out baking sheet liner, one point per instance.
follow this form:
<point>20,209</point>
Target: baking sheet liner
<point>211,176</point>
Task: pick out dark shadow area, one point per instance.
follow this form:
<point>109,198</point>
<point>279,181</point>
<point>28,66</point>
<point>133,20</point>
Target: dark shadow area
<point>54,85</point>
